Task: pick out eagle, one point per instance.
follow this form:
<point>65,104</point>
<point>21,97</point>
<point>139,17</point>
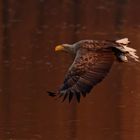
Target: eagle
<point>92,61</point>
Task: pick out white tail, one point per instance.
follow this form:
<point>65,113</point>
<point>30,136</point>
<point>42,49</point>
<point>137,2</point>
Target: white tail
<point>124,41</point>
<point>127,50</point>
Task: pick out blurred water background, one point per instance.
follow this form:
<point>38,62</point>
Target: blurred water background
<point>29,31</point>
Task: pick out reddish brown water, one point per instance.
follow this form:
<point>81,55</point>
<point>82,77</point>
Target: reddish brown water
<point>29,31</point>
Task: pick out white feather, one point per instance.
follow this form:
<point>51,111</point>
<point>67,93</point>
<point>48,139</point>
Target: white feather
<point>123,41</point>
<point>129,49</point>
<point>123,47</point>
<point>123,58</point>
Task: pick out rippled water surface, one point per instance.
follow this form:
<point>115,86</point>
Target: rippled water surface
<point>29,31</point>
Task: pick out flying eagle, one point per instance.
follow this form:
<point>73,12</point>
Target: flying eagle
<point>93,60</point>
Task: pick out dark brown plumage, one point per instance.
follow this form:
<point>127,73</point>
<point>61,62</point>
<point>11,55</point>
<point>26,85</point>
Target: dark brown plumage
<point>93,60</point>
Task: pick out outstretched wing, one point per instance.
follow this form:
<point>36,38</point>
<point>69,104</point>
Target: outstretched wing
<point>88,69</point>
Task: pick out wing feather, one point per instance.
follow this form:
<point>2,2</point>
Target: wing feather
<point>88,69</point>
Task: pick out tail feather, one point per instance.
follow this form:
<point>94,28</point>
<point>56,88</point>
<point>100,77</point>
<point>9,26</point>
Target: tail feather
<point>124,41</point>
<point>127,51</point>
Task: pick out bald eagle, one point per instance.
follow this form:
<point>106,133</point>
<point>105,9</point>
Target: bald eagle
<point>93,60</point>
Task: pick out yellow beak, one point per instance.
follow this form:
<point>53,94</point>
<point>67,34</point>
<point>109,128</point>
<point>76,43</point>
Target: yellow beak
<point>59,48</point>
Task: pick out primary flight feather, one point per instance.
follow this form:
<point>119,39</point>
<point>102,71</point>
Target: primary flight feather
<point>93,60</point>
